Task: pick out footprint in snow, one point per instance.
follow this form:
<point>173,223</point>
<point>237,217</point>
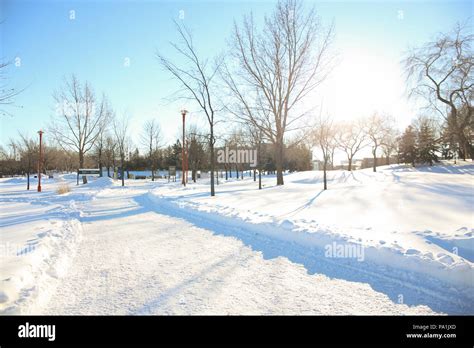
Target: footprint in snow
<point>445,259</point>
<point>412,252</point>
<point>42,234</point>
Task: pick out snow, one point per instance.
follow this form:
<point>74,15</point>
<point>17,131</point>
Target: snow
<point>158,248</point>
<point>405,218</point>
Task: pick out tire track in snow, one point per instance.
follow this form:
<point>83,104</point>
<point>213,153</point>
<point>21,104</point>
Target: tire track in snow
<point>134,260</point>
<point>412,286</point>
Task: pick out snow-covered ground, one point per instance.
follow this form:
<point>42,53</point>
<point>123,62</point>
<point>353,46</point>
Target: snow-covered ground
<point>399,241</point>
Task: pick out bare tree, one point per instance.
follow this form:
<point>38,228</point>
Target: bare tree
<point>324,139</point>
<point>196,79</point>
<point>256,140</point>
<point>121,141</point>
<point>441,73</point>
<point>151,139</point>
<point>99,149</point>
<point>377,128</point>
<point>29,149</point>
<point>276,70</point>
<point>109,153</point>
<point>389,143</point>
<point>197,150</point>
<point>236,139</point>
<point>80,121</point>
<point>351,138</point>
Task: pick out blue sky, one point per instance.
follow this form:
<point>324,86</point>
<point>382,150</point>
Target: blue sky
<point>371,37</point>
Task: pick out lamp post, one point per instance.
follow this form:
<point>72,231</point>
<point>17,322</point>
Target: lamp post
<point>184,160</point>
<point>40,158</point>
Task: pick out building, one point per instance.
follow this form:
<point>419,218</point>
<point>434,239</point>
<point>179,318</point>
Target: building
<point>368,162</point>
<point>317,165</point>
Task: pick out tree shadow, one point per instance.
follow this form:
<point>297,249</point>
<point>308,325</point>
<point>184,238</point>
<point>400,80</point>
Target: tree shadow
<point>396,284</point>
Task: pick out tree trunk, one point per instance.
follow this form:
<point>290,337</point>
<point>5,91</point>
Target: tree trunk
<point>374,152</point>
<point>349,167</point>
<point>324,175</point>
<point>255,175</point>
<point>28,180</point>
<point>108,171</point>
<point>211,148</point>
<point>100,163</point>
<point>122,172</point>
<point>279,162</point>
<point>463,141</point>
<point>259,179</point>
<point>81,165</point>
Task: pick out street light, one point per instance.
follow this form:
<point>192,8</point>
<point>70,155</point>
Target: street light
<point>184,160</point>
<point>40,132</point>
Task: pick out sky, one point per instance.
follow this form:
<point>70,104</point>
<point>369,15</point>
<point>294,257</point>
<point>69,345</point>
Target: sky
<point>112,45</point>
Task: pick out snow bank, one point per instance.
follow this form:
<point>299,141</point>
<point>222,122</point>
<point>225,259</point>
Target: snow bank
<point>39,236</point>
<point>451,270</point>
<point>29,273</point>
<point>408,219</point>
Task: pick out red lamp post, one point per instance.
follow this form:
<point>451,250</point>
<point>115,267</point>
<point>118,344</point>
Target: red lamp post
<point>184,168</point>
<point>40,161</point>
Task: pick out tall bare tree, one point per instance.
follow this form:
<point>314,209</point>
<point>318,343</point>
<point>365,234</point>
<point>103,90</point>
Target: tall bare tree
<point>276,69</point>
<point>351,138</point>
<point>441,72</point>
<point>324,137</point>
<point>80,119</point>
<point>150,137</point>
<point>122,143</point>
<point>196,78</point>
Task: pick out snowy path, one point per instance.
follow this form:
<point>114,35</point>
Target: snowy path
<point>166,265</point>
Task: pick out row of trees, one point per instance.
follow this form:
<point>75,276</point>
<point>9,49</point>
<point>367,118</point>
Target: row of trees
<point>83,135</point>
<point>261,83</point>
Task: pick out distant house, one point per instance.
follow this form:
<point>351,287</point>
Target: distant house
<point>356,164</point>
<point>317,165</point>
<point>368,162</point>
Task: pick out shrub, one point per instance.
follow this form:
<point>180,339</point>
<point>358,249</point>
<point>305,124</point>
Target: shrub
<point>63,188</point>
